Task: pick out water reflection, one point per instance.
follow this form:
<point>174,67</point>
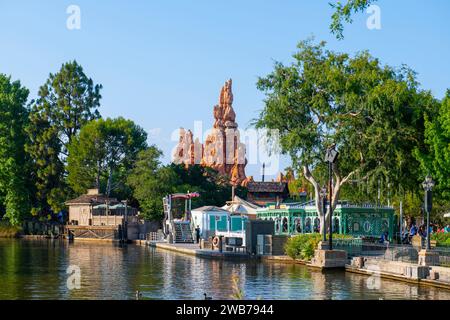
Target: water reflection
<point>37,270</point>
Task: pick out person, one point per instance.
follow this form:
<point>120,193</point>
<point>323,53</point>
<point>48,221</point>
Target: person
<point>405,236</point>
<point>413,230</point>
<point>197,234</point>
<point>421,231</point>
<point>447,229</point>
<point>384,237</point>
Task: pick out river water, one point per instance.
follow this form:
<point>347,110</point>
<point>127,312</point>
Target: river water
<point>38,270</point>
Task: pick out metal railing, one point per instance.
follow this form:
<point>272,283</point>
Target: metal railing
<point>444,256</point>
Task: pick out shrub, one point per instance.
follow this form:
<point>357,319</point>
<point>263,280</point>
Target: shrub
<point>303,246</point>
<point>442,239</point>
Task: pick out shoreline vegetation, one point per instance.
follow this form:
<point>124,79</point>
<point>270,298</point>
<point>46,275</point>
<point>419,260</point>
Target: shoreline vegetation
<point>9,231</point>
<point>303,246</point>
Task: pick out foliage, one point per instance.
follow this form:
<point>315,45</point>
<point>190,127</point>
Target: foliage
<point>102,155</point>
<point>372,113</point>
<point>302,246</point>
<point>435,159</point>
<point>442,239</point>
<point>14,163</point>
<point>344,12</point>
<point>151,181</point>
<point>238,293</point>
<point>8,230</point>
<point>67,101</point>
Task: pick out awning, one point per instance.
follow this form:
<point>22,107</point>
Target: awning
<point>100,206</point>
<point>120,206</point>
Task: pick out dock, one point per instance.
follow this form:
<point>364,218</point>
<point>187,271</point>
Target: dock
<point>194,250</point>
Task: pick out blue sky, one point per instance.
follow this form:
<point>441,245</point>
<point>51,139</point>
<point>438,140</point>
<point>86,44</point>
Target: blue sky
<point>162,63</point>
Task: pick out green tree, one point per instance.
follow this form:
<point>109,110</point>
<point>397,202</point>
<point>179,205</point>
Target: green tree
<point>14,162</point>
<point>373,113</point>
<point>150,182</point>
<point>67,101</point>
<point>344,12</point>
<point>103,153</point>
<point>435,160</point>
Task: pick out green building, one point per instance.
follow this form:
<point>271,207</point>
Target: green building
<point>356,220</point>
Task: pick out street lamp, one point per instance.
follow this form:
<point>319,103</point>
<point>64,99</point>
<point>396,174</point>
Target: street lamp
<point>323,194</point>
<point>331,157</point>
<point>428,185</point>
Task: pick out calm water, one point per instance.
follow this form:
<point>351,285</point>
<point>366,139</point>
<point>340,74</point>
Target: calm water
<point>37,270</point>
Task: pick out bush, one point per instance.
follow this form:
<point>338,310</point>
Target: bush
<point>303,246</point>
<point>9,231</point>
<point>442,239</point>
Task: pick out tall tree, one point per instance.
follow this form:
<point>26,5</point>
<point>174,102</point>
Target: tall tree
<point>14,164</point>
<point>373,113</point>
<point>344,12</point>
<point>67,101</point>
<point>150,182</point>
<point>103,153</point>
<point>435,160</point>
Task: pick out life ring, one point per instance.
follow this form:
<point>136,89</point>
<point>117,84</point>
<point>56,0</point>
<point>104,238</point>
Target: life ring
<point>216,241</point>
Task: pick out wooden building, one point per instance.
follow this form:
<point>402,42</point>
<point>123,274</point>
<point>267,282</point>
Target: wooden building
<point>94,215</point>
<point>264,193</point>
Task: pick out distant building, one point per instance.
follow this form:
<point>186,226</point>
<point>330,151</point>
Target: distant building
<point>357,220</point>
<point>96,216</point>
<point>96,209</point>
<point>264,193</point>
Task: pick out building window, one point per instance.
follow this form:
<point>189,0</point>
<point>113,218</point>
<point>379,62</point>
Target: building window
<point>298,225</point>
<point>285,225</point>
<point>316,225</point>
<point>308,225</point>
<point>336,225</point>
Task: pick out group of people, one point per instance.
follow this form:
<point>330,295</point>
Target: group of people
<point>411,230</point>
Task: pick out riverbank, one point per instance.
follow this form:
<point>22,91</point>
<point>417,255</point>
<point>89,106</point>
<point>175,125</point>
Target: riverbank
<point>8,231</point>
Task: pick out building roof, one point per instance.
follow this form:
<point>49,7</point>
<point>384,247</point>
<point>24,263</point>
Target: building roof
<point>241,206</point>
<point>277,187</point>
<point>93,199</point>
<point>211,209</point>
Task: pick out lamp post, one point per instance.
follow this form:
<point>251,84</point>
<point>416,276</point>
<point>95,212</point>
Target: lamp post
<point>323,194</point>
<point>331,157</point>
<point>428,185</point>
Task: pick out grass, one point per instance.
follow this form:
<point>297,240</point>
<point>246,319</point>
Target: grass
<point>9,231</point>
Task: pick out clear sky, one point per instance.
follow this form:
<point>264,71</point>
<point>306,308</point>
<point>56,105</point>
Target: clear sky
<point>162,62</point>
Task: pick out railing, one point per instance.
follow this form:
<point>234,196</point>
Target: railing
<point>154,236</point>
<point>388,251</point>
<point>444,256</point>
